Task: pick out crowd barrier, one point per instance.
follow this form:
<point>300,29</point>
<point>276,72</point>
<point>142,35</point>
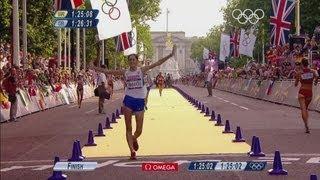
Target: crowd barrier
<point>41,101</point>
<point>281,92</point>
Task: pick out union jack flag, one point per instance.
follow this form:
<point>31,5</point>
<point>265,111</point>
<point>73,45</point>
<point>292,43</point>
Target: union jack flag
<point>123,41</point>
<point>234,44</point>
<point>67,4</point>
<point>280,20</point>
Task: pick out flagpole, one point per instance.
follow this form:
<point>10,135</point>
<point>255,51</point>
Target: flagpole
<point>102,52</point>
<point>298,27</point>
<point>15,35</point>
<point>263,53</point>
<point>59,47</point>
<point>78,49</point>
<point>84,47</point>
<point>69,49</point>
<point>65,48</point>
<point>24,33</point>
<point>167,27</point>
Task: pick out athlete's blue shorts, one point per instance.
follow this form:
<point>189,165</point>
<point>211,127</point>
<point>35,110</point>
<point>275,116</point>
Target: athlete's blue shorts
<point>135,104</point>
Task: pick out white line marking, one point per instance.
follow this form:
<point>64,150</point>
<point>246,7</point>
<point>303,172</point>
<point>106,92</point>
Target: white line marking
<point>235,104</point>
<point>243,107</point>
<point>225,100</point>
<point>173,156</point>
<point>283,159</point>
<point>91,110</point>
<point>315,160</point>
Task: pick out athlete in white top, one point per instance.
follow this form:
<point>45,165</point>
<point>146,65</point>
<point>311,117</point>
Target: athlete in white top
<point>135,94</point>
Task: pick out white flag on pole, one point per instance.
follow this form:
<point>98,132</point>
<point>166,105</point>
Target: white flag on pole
<point>205,54</point>
<point>133,49</point>
<point>114,17</point>
<point>247,42</point>
<point>224,47</point>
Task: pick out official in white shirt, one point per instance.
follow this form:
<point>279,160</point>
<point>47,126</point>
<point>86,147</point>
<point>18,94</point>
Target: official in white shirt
<point>102,89</point>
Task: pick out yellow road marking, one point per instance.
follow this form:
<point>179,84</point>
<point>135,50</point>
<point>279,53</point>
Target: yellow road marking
<point>171,127</point>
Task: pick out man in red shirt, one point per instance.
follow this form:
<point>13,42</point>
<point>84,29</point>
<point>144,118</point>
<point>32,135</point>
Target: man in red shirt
<point>10,85</point>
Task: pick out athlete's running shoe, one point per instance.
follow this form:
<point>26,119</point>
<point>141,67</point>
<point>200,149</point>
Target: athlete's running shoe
<point>133,156</point>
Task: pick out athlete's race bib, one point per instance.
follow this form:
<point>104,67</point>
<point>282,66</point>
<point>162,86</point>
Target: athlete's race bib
<point>134,82</point>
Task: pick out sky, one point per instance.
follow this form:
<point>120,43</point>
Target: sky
<point>195,18</point>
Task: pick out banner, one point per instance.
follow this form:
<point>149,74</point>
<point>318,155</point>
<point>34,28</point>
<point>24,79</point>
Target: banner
<point>224,47</point>
<point>114,18</point>
<point>247,42</point>
<point>133,49</point>
<point>205,54</point>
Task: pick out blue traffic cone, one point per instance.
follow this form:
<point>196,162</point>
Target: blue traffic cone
<point>313,177</point>
<point>253,141</point>
<point>79,149</point>
<point>219,121</point>
<point>207,112</point>
<point>238,137</point>
<point>113,120</point>
<point>277,165</point>
<point>227,128</point>
<point>196,103</point>
<point>75,153</point>
<point>257,149</point>
<point>90,139</point>
<point>57,175</point>
<point>203,110</point>
<point>199,106</point>
<point>117,114</point>
<point>100,130</point>
<point>213,116</point>
<point>107,125</point>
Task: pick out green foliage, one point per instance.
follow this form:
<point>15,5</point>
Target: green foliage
<point>238,62</point>
<point>5,14</point>
<point>310,15</point>
<point>211,42</point>
<point>42,36</point>
<point>310,18</point>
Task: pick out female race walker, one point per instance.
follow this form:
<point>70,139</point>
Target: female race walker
<point>80,83</point>
<point>160,82</point>
<point>135,94</point>
<point>306,77</point>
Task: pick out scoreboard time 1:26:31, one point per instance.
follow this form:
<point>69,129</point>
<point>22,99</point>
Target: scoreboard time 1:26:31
<point>82,23</point>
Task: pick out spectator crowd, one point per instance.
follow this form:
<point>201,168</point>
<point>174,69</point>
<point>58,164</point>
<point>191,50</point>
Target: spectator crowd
<point>42,75</point>
<point>282,63</point>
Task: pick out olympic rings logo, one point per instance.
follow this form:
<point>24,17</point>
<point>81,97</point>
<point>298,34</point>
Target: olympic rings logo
<point>257,166</point>
<point>248,15</point>
<point>109,9</point>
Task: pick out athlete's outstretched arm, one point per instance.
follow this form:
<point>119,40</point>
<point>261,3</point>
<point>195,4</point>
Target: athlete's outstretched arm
<point>159,62</point>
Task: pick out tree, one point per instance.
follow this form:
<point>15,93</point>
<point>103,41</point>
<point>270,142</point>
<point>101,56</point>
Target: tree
<point>5,16</point>
<point>42,36</point>
<point>211,42</point>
